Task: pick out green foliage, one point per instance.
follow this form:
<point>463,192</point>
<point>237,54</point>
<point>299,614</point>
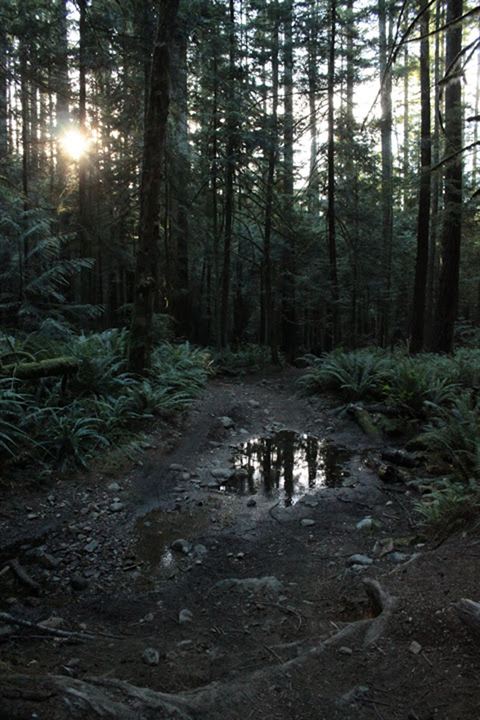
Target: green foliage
<point>454,436</point>
<point>12,407</point>
<point>450,506</point>
<point>355,375</point>
<point>410,383</point>
<point>102,362</point>
<point>248,357</point>
<point>69,435</point>
<point>103,406</point>
<point>35,273</point>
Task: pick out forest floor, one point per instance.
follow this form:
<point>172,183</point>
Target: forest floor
<point>307,636</point>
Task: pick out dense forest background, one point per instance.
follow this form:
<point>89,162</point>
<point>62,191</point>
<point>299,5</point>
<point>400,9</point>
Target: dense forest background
<point>318,176</point>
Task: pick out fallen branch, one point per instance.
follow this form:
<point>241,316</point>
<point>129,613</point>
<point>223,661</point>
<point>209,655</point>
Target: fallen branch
<point>468,611</point>
<point>24,577</point>
<point>38,627</point>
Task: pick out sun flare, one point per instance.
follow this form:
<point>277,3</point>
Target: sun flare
<point>74,143</point>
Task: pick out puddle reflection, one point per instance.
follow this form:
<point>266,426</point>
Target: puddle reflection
<point>288,464</point>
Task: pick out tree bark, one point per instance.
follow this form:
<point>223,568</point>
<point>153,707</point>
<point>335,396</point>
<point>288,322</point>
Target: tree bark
<point>387,172</point>
<point>147,271</point>
<point>229,175</point>
<point>333,329</point>
<point>448,289</point>
<point>314,178</point>
<point>179,166</point>
<point>423,219</point>
<point>271,157</point>
<point>3,94</point>
<point>289,329</point>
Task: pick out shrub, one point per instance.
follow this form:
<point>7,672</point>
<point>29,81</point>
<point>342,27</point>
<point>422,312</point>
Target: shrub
<point>247,357</point>
<point>356,375</point>
<point>454,436</point>
<point>450,506</point>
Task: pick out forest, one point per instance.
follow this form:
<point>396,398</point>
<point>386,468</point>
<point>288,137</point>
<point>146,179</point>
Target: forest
<point>239,358</point>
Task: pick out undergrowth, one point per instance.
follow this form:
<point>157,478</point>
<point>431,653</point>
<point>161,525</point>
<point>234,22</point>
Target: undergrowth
<point>246,358</point>
<point>102,406</point>
<point>436,395</point>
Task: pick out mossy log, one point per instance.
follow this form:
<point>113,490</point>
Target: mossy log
<point>41,368</point>
<point>365,421</point>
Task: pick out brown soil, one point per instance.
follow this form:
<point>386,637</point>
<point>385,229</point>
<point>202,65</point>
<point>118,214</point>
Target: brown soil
<point>106,567</point>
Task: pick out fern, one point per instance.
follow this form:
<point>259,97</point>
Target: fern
<point>355,375</point>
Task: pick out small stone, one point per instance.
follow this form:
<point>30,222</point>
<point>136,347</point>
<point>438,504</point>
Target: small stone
<point>307,522</point>
<point>116,507</point>
<point>185,616</point>
<point>151,656</point>
<point>54,621</point>
<point>114,487</point>
<point>176,467</point>
<point>398,557</point>
<point>415,648</point>
<point>240,555</point>
<point>353,696</point>
<point>78,582</point>
<point>227,422</point>
<point>365,524</point>
<point>222,473</point>
<point>182,546</point>
<point>345,650</point>
<point>251,503</point>
<point>200,550</point>
<point>359,560</point>
<point>48,561</point>
<point>254,403</point>
<point>185,476</point>
<point>91,547</point>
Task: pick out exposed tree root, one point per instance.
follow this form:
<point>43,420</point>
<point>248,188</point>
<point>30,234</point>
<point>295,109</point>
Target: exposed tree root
<point>469,613</point>
<point>38,627</point>
<point>24,577</point>
<point>110,698</point>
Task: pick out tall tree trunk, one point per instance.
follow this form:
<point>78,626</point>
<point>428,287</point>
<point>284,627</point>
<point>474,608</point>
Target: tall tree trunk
<point>3,94</point>
<point>477,123</point>
<point>289,329</point>
<point>423,220</point>
<point>62,87</point>
<point>314,177</point>
<point>84,239</point>
<point>271,157</point>
<point>436,181</point>
<point>447,304</point>
<point>25,132</point>
<point>146,275</point>
<point>179,166</point>
<point>229,175</point>
<point>331,228</point>
<point>387,170</point>
<point>406,122</point>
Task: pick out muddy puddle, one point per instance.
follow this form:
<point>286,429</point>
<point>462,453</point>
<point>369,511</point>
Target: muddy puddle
<point>287,465</point>
<point>157,530</point>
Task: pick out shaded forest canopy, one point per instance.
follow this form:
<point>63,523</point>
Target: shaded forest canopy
<point>300,175</point>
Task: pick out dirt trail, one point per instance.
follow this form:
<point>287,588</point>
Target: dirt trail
<point>241,609</point>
